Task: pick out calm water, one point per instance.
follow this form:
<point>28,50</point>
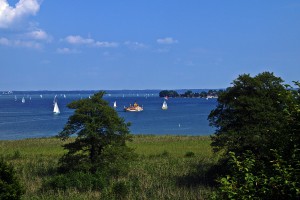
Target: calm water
<point>34,118</point>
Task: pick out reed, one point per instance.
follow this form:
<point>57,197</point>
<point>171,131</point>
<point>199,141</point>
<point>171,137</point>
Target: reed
<point>162,169</point>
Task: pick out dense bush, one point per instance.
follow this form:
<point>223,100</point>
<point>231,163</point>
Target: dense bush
<point>257,124</point>
<point>246,181</point>
<point>253,115</point>
<point>81,181</point>
<point>10,187</point>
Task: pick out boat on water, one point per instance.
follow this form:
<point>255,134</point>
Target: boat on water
<point>56,108</point>
<point>134,108</point>
<point>115,104</point>
<point>164,106</point>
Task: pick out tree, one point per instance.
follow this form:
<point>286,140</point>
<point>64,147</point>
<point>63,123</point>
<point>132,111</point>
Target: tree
<point>188,93</point>
<point>10,187</point>
<point>99,131</point>
<point>168,93</point>
<point>257,124</point>
<point>251,115</point>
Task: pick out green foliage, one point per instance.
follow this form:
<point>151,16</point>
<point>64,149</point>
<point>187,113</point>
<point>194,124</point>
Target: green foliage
<point>258,125</point>
<point>246,181</point>
<point>81,181</point>
<point>16,155</point>
<point>10,187</point>
<point>98,127</point>
<point>120,190</point>
<point>250,115</point>
<point>168,93</point>
<point>188,93</point>
<point>117,160</point>
<point>189,154</point>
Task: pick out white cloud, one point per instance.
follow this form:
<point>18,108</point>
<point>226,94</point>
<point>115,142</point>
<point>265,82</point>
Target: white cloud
<point>167,40</point>
<point>78,40</point>
<point>4,41</point>
<point>135,45</point>
<point>66,51</point>
<point>75,39</point>
<point>106,44</point>
<point>39,35</point>
<point>10,15</point>
<point>20,43</point>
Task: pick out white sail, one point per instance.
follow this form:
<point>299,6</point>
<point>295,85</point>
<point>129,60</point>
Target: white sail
<point>115,104</point>
<point>164,106</point>
<point>56,108</point>
<point>23,100</point>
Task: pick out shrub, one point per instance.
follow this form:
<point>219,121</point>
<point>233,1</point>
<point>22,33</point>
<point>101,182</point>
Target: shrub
<point>80,181</point>
<point>248,181</point>
<point>120,190</point>
<point>189,154</point>
<point>10,187</point>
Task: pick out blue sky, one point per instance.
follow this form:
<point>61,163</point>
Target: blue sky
<point>142,44</point>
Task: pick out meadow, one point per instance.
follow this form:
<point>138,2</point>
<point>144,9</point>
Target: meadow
<point>166,167</point>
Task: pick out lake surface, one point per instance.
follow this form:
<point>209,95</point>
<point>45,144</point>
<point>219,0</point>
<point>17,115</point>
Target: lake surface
<point>35,118</point>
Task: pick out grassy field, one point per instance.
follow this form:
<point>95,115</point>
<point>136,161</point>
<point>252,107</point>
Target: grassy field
<point>167,167</point>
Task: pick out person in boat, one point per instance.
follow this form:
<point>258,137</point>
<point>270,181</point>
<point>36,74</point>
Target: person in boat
<point>135,105</point>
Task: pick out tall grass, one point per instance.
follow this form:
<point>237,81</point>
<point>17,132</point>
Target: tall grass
<point>167,167</point>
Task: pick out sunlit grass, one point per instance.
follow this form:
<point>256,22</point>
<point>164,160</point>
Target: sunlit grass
<point>167,167</point>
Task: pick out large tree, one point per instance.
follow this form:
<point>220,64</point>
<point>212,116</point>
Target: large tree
<point>252,115</point>
<point>257,124</point>
<point>99,132</point>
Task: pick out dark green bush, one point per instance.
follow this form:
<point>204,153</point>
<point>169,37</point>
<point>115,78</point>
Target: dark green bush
<point>248,181</point>
<point>116,160</point>
<point>120,190</point>
<point>165,154</point>
<point>257,123</point>
<point>189,154</point>
<point>10,187</point>
<point>78,180</point>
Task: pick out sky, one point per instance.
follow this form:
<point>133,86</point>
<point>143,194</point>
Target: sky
<point>142,44</point>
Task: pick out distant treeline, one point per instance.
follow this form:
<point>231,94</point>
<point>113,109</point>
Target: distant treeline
<point>191,94</point>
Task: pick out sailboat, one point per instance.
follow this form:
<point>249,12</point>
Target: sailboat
<point>23,100</point>
<point>56,108</point>
<point>115,104</point>
<point>164,106</point>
